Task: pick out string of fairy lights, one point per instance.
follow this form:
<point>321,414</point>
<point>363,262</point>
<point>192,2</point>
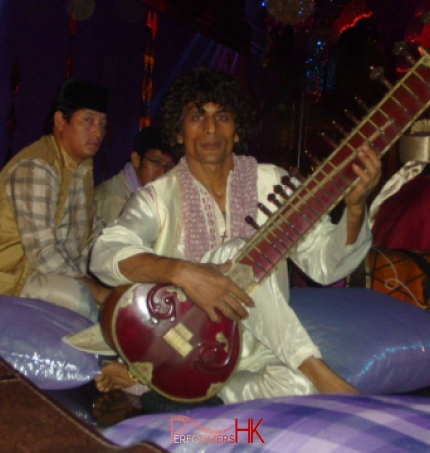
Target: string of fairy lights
<point>290,11</point>
<point>323,23</point>
<point>295,13</point>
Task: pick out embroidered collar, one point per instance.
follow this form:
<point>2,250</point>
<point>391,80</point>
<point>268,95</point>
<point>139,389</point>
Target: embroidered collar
<point>198,206</point>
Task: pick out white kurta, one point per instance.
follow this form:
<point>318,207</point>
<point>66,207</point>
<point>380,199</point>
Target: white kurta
<point>274,341</point>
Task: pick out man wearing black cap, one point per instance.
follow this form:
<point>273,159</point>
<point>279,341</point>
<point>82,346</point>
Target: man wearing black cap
<point>46,205</point>
<point>149,160</point>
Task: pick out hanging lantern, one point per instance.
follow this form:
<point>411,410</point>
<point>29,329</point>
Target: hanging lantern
<point>78,10</point>
<point>290,11</point>
<point>81,9</point>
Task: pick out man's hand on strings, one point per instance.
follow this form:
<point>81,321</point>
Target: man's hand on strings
<point>213,292</point>
<point>369,173</point>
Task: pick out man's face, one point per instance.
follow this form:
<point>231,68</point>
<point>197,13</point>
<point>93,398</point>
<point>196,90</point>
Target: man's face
<point>153,165</point>
<point>208,133</point>
<point>82,135</point>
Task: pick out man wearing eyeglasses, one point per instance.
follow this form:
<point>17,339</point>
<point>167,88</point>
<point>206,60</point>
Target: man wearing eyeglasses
<point>149,160</point>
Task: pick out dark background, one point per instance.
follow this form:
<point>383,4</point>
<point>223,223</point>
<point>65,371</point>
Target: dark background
<point>300,76</point>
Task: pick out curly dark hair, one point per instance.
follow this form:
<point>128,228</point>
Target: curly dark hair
<point>203,85</point>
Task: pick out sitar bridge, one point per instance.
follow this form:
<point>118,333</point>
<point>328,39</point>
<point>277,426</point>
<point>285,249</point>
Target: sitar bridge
<point>242,275</point>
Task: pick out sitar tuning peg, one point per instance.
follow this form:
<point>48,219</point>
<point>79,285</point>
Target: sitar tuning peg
<point>339,128</point>
<point>351,116</point>
<point>361,103</point>
<point>272,198</point>
<point>265,210</point>
<point>378,73</point>
<point>328,140</point>
<point>279,190</point>
<point>250,221</point>
<point>295,173</point>
<point>286,181</point>
<point>402,48</point>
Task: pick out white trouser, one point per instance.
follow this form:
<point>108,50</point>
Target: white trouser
<point>274,343</point>
<point>67,292</point>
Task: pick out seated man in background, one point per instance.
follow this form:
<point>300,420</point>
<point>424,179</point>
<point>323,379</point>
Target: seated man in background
<point>46,205</point>
<point>168,226</point>
<point>149,160</point>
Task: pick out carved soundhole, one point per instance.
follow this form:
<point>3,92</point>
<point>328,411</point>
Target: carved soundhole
<point>162,301</point>
<point>212,357</point>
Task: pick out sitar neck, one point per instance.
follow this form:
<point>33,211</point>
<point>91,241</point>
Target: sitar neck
<point>335,177</point>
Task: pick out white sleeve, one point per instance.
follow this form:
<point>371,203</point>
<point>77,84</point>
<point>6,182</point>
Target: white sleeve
<point>134,232</point>
<point>324,255</point>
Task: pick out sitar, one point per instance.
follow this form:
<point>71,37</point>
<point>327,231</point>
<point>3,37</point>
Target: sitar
<point>171,344</point>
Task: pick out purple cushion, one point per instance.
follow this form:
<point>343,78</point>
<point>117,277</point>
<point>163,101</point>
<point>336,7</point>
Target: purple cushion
<point>30,340</point>
<point>314,423</point>
<point>377,343</point>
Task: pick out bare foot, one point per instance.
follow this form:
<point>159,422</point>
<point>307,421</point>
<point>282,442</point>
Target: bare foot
<point>324,378</point>
<point>114,376</point>
<point>113,407</point>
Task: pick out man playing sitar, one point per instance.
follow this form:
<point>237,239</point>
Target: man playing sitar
<point>168,226</point>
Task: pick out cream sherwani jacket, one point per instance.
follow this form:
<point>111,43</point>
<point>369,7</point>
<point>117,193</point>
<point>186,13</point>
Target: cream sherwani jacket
<point>274,342</point>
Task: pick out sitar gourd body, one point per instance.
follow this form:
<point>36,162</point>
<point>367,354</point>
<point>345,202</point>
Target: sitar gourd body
<point>168,342</point>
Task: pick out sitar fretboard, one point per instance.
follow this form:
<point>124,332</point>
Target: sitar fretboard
<point>332,180</point>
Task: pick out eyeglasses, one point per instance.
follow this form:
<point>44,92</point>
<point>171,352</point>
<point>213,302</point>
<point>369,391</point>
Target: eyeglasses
<point>159,164</point>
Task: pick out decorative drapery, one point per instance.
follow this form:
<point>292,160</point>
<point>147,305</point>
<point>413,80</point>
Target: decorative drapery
<point>113,42</point>
<point>148,69</point>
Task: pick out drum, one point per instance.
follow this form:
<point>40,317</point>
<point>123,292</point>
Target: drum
<point>400,273</point>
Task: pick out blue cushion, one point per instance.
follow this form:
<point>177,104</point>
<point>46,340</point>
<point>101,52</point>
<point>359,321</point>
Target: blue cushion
<point>377,343</point>
<point>30,340</point>
<point>291,424</point>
